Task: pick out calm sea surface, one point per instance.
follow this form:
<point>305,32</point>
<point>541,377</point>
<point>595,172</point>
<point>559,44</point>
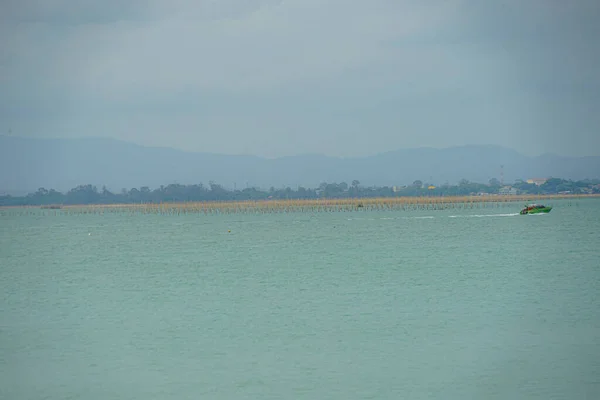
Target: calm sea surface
<point>457,304</point>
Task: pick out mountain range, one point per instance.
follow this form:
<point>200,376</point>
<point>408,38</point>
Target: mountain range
<point>27,164</point>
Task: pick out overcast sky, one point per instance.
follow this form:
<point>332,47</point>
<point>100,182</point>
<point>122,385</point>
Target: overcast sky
<point>281,77</point>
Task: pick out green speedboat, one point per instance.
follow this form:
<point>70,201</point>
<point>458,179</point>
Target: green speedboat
<point>535,209</point>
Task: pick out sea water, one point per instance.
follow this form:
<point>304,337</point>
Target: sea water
<point>454,304</point>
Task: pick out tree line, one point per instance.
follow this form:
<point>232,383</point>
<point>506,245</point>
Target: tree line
<point>90,194</point>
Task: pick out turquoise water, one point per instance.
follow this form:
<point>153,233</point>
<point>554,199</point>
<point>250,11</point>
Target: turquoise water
<point>470,304</point>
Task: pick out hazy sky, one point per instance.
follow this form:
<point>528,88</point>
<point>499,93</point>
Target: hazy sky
<point>280,77</point>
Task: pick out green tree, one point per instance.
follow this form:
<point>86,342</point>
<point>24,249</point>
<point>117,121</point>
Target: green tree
<point>494,182</point>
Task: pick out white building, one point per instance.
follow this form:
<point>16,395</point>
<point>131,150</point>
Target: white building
<point>508,191</point>
<point>537,181</point>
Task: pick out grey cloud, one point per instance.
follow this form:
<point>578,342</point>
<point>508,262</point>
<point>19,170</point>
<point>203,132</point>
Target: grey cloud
<point>286,43</point>
<point>61,13</point>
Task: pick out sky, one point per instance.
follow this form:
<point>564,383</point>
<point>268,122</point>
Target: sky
<point>283,77</point>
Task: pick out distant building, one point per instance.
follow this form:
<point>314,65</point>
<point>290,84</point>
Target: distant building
<point>508,191</point>
<point>537,181</point>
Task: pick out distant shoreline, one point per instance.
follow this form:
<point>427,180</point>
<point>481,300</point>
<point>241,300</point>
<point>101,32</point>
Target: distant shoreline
<point>299,204</point>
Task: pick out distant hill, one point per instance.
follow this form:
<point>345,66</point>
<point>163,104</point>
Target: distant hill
<point>29,163</point>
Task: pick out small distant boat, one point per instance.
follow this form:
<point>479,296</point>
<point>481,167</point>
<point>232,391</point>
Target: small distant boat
<point>535,209</point>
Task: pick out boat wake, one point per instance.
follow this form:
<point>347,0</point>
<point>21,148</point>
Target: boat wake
<point>391,218</point>
<point>483,215</point>
<point>432,217</point>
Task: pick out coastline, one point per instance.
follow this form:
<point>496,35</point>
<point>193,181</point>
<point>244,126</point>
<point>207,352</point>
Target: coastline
<point>321,204</point>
